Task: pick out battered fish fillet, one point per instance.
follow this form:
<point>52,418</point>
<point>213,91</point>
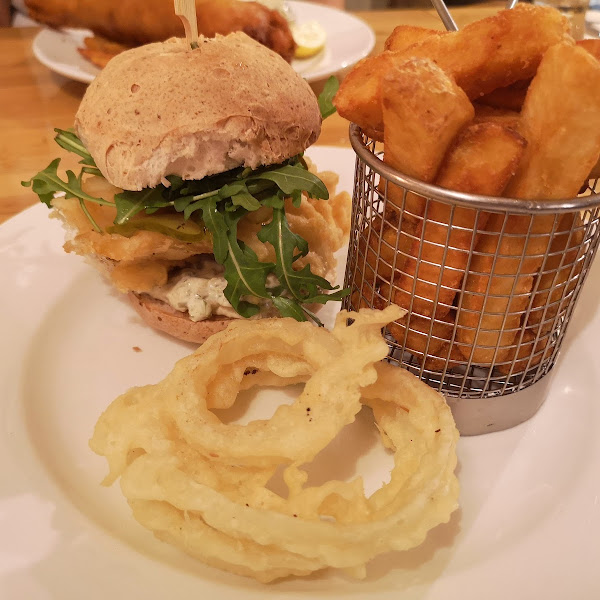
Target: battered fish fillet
<point>136,22</point>
<point>143,260</point>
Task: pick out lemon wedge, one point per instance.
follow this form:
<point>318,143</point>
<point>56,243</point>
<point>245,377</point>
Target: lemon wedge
<point>310,38</point>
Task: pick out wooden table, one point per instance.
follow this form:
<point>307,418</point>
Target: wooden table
<point>33,101</point>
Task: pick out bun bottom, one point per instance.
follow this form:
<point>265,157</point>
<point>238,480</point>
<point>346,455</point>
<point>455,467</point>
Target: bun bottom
<point>161,316</point>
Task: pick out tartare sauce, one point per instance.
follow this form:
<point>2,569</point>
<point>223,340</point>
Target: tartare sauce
<point>200,292</point>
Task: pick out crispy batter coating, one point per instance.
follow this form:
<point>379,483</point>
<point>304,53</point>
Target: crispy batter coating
<point>136,22</point>
<point>202,485</point>
<point>143,260</point>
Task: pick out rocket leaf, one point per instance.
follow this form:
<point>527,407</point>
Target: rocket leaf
<point>245,274</point>
<point>221,200</point>
<point>47,183</point>
<point>302,284</point>
<point>130,203</point>
<point>291,178</point>
<point>325,98</point>
<point>67,139</point>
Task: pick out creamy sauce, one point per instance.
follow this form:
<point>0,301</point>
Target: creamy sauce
<point>199,292</point>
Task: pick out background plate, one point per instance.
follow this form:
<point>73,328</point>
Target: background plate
<point>348,40</point>
<point>528,526</point>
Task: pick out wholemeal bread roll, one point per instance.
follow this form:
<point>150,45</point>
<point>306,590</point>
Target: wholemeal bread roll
<point>162,317</point>
<point>165,109</point>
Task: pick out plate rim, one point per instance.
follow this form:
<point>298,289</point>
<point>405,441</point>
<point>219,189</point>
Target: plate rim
<point>533,432</point>
<point>76,74</point>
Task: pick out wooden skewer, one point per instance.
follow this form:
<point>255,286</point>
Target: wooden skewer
<point>186,11</point>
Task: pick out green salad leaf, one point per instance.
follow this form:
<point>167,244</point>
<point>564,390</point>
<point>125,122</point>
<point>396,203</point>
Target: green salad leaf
<point>218,203</point>
<point>214,220</point>
<point>47,183</point>
<point>303,285</point>
<point>290,308</point>
<point>245,274</point>
<point>291,178</point>
<point>325,98</point>
<point>67,139</point>
<point>130,204</point>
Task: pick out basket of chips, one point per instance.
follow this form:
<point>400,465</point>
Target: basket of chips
<point>489,284</point>
<point>481,222</point>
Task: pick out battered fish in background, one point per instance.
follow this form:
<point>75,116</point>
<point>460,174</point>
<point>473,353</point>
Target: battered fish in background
<point>137,22</point>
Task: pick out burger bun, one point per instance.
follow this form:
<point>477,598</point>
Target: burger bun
<point>162,317</point>
<point>165,109</point>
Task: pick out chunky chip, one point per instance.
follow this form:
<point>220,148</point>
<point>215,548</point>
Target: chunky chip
<point>424,109</point>
<point>563,134</point>
<point>404,36</point>
<point>201,484</point>
<point>485,55</point>
<point>99,50</point>
<point>482,161</point>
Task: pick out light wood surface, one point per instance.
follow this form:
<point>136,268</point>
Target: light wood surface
<point>33,101</point>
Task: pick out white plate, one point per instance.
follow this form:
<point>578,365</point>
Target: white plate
<point>348,40</point>
<point>592,23</point>
<point>528,527</point>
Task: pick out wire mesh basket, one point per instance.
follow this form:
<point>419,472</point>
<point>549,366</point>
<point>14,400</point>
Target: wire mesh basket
<point>489,284</point>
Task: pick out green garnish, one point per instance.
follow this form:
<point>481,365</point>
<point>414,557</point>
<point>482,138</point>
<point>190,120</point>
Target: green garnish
<point>217,203</point>
<point>69,141</point>
<point>325,98</point>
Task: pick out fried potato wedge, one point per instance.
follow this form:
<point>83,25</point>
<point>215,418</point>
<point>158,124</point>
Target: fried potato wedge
<point>526,353</point>
<point>483,56</point>
<point>482,161</point>
<point>515,68</point>
<point>562,129</point>
<point>510,97</point>
<point>359,96</point>
<point>563,135</point>
<point>502,116</point>
<point>423,109</point>
<point>423,336</point>
<point>500,50</point>
<point>498,286</point>
<point>447,357</point>
<point>557,275</point>
<point>592,46</point>
<point>389,244</point>
<point>404,36</point>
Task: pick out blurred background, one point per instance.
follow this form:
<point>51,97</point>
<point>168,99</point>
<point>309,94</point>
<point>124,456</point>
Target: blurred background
<point>14,12</point>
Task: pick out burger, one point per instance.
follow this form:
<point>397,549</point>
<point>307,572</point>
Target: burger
<point>194,197</point>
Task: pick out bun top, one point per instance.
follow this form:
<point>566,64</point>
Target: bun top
<point>164,109</point>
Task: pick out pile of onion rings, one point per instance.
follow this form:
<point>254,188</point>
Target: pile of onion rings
<point>201,484</point>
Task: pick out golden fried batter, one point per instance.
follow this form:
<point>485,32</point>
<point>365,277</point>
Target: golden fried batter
<point>137,22</point>
<point>143,260</point>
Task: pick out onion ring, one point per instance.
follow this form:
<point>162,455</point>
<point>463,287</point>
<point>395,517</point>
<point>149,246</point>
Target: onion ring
<point>202,485</point>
